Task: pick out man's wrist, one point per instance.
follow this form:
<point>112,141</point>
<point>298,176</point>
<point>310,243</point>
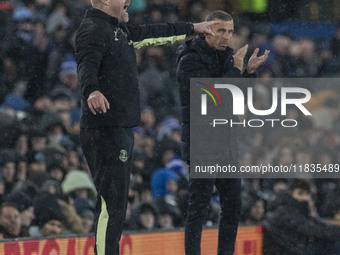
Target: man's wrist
<point>238,68</point>
<point>249,75</point>
<point>91,92</point>
<point>250,71</point>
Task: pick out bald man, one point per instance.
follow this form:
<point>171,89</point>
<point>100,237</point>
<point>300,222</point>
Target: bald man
<point>107,69</point>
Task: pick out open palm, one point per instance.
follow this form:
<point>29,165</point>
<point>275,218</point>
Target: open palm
<point>255,61</point>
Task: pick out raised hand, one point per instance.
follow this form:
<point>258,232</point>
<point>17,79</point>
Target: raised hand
<point>204,28</point>
<point>239,57</point>
<point>255,61</point>
<point>97,102</point>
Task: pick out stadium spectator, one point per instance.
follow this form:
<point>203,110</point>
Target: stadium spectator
<point>165,220</point>
<point>73,222</point>
<point>8,169</point>
<point>78,184</point>
<point>48,216</point>
<point>10,221</point>
<point>87,220</point>
<point>85,209</point>
<point>164,184</point>
<point>253,209</point>
<point>25,208</point>
<point>146,217</point>
<point>40,104</point>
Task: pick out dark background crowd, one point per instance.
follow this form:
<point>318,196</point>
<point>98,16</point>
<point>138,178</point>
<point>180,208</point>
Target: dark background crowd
<point>45,187</point>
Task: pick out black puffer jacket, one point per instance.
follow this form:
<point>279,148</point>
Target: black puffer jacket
<point>196,59</point>
<point>288,227</point>
<point>105,53</point>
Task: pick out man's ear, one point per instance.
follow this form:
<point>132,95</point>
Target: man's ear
<point>208,38</point>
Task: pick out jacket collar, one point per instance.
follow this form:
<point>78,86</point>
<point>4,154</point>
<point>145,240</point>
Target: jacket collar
<point>93,12</point>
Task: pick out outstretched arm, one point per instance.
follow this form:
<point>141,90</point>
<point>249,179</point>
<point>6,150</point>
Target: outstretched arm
<point>159,34</point>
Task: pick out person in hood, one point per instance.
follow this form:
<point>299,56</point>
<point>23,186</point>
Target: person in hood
<point>110,103</point>
<point>163,183</point>
<point>210,57</point>
<point>290,227</point>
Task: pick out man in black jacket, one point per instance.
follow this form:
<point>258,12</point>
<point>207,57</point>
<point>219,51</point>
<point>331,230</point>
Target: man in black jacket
<point>210,57</point>
<point>107,71</point>
<point>290,226</point>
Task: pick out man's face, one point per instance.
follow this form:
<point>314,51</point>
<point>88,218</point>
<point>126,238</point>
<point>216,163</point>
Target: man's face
<point>51,228</point>
<point>257,210</point>
<point>10,220</point>
<point>43,104</point>
<point>223,33</point>
<point>147,219</point>
<point>27,216</point>
<point>8,171</point>
<point>118,9</point>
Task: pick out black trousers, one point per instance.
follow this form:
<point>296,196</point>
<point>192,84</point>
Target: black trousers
<point>199,200</point>
<point>108,153</point>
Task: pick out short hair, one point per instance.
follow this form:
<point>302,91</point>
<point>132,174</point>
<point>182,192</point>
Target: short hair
<point>8,204</point>
<point>219,15</point>
<point>299,184</point>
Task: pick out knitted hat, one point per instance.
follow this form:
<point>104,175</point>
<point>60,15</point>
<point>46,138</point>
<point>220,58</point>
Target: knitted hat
<point>22,200</point>
<point>15,102</point>
<point>22,14</point>
<point>69,66</point>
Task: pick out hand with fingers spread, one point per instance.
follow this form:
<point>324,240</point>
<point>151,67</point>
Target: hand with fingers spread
<point>239,57</point>
<point>204,28</point>
<point>97,102</point>
<point>255,61</point>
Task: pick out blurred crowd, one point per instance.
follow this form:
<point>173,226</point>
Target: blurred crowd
<point>45,186</point>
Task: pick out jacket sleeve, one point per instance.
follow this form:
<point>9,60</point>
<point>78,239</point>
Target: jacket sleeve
<point>90,48</point>
<point>189,65</point>
<point>159,34</point>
